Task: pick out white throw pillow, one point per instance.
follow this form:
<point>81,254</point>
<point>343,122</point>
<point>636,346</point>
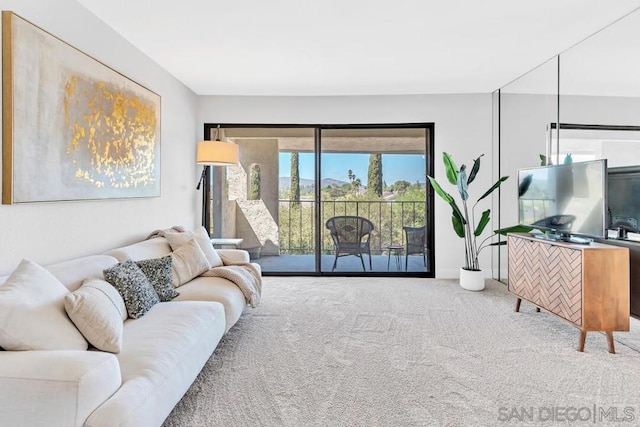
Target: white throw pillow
<point>203,239</point>
<point>177,239</point>
<point>98,311</point>
<point>188,262</point>
<point>32,315</point>
<point>201,236</point>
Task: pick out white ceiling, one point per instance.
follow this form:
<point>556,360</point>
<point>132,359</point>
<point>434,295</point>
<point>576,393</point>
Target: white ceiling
<point>353,47</point>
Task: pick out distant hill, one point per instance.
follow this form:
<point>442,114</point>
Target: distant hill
<point>328,182</point>
<point>285,182</point>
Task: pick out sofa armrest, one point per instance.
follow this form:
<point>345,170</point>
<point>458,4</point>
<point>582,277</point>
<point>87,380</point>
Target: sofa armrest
<point>55,388</point>
<point>234,255</point>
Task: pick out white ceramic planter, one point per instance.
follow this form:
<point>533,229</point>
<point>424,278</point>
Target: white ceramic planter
<point>471,280</point>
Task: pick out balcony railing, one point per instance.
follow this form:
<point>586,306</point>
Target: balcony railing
<point>297,222</point>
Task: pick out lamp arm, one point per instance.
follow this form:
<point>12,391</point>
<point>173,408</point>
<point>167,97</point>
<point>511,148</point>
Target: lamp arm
<point>202,177</point>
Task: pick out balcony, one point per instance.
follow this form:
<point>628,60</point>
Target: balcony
<point>297,231</point>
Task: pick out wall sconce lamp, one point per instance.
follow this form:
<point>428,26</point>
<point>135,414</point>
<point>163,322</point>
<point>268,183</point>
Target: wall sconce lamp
<point>213,153</point>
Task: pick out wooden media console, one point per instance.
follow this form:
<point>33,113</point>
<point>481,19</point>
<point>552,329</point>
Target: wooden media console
<point>586,285</point>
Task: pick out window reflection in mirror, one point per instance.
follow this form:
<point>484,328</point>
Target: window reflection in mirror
<point>619,144</point>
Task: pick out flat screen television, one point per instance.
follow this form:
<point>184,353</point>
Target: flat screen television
<point>565,200</point>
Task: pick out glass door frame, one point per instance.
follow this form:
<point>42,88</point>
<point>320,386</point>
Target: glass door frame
<point>429,128</point>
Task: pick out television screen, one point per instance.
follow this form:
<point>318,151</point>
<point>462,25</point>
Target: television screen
<point>622,197</point>
<point>565,199</point>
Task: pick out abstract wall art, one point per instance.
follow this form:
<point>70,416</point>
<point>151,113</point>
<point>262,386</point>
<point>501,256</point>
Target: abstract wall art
<point>73,128</point>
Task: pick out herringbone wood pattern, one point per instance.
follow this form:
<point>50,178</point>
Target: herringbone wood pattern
<point>561,292</point>
<point>547,275</point>
<point>524,269</point>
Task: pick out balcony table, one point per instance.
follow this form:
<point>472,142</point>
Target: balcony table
<point>396,251</point>
<point>221,243</point>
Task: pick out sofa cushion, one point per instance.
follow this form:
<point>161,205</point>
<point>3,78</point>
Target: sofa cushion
<point>98,310</point>
<point>32,315</point>
<point>188,262</point>
<point>152,248</point>
<point>73,272</point>
<point>55,388</point>
<point>136,290</point>
<point>159,271</point>
<point>234,256</point>
<point>177,239</point>
<point>162,353</point>
<point>216,289</point>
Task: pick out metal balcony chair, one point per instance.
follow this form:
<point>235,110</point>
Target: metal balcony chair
<point>416,238</point>
<point>350,236</point>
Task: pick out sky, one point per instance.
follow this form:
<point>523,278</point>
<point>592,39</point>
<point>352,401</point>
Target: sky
<point>395,167</point>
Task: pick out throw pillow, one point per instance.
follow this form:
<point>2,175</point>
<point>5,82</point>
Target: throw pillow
<point>177,239</point>
<point>97,310</point>
<point>159,273</point>
<point>32,315</point>
<point>136,290</point>
<point>201,236</point>
<point>188,262</point>
<point>204,240</point>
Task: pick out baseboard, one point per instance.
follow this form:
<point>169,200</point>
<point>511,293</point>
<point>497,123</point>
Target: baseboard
<point>454,273</point>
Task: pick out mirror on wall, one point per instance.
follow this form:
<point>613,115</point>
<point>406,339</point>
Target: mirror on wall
<point>585,101</point>
<point>600,77</point>
<point>600,96</point>
<point>593,112</point>
<point>600,112</point>
<point>526,107</point>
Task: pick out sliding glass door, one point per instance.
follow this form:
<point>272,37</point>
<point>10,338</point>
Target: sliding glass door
<point>269,198</point>
<point>373,200</point>
<point>344,200</point>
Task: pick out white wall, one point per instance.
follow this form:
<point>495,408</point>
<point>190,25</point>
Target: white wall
<point>462,128</point>
<point>50,232</point>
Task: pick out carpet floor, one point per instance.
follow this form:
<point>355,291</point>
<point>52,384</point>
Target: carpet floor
<point>408,352</point>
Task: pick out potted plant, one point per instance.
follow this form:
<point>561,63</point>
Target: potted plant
<point>464,220</point>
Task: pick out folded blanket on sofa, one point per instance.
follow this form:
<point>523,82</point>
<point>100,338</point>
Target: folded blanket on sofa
<point>244,275</point>
<point>161,232</point>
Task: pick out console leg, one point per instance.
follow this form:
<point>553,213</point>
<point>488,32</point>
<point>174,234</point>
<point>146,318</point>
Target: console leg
<point>610,342</point>
<point>518,301</point>
<point>583,337</point>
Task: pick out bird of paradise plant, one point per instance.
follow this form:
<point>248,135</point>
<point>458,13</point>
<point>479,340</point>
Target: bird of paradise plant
<point>463,220</point>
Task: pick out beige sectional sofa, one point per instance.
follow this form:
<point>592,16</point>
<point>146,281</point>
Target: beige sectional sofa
<point>162,353</point>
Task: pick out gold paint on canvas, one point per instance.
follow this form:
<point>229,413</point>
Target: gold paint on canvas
<point>112,134</point>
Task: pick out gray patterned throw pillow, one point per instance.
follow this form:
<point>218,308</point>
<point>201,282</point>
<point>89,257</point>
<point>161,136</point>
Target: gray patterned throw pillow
<point>136,290</point>
<point>158,271</point>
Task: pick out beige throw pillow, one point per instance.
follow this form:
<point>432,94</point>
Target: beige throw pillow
<point>188,262</point>
<point>203,239</point>
<point>201,236</point>
<point>177,239</point>
<point>32,315</point>
<point>98,310</point>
